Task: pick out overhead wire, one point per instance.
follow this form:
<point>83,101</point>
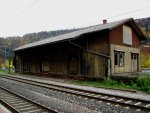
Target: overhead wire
<point>6,25</point>
<point>86,24</point>
<point>137,10</point>
<point>118,15</point>
<point>24,10</point>
<point>34,2</point>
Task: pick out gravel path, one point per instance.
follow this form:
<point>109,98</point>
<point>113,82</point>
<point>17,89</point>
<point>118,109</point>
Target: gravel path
<point>62,102</point>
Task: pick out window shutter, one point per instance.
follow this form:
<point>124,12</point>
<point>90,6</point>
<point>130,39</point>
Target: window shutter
<point>127,35</point>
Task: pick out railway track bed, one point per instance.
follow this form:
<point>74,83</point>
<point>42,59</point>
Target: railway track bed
<point>19,104</point>
<point>137,104</point>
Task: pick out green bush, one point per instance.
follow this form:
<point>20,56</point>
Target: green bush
<point>145,60</point>
<point>136,83</point>
<point>124,79</point>
<point>143,84</point>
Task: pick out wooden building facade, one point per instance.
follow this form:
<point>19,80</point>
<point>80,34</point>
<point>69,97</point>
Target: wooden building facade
<point>93,52</point>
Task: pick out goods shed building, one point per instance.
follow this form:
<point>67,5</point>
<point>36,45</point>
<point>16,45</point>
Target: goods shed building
<point>92,52</point>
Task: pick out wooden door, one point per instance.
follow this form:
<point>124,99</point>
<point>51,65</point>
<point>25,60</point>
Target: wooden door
<point>45,65</point>
<point>73,64</point>
<point>134,62</point>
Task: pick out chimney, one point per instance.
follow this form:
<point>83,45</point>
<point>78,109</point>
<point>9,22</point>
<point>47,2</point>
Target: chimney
<point>105,21</point>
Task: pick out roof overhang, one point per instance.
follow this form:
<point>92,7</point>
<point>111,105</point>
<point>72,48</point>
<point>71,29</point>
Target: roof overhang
<point>77,34</point>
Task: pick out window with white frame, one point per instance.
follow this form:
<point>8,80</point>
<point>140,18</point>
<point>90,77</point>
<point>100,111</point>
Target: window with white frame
<point>119,58</point>
<point>127,35</point>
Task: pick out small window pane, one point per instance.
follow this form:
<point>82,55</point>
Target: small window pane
<point>116,58</point>
<point>121,59</point>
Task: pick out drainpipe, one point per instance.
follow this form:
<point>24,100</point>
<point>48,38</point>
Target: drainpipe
<point>95,53</point>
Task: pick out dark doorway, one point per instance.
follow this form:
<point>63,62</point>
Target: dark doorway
<point>73,64</point>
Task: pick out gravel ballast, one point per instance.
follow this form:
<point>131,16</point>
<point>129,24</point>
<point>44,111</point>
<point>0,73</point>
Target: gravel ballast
<point>62,102</point>
<point>62,82</point>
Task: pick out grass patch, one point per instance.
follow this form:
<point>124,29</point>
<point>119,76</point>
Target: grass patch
<point>6,71</point>
<point>141,84</point>
<point>105,83</point>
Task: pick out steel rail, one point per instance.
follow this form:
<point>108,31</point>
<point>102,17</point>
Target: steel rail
<point>14,108</point>
<point>114,99</point>
<point>8,106</point>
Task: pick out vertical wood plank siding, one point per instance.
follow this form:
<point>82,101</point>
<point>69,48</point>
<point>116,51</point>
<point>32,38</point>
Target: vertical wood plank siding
<point>116,37</point>
<point>136,40</point>
<point>18,63</point>
<point>96,65</point>
<point>56,57</point>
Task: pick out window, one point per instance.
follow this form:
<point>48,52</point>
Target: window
<point>134,56</point>
<point>127,35</point>
<point>119,58</point>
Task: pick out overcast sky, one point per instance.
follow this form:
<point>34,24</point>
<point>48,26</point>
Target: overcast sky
<point>18,17</point>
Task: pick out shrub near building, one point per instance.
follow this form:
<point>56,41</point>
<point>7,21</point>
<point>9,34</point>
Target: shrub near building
<point>145,60</point>
<point>142,84</point>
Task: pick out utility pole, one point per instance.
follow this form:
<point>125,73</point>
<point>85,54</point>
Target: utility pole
<point>5,55</point>
<point>9,59</point>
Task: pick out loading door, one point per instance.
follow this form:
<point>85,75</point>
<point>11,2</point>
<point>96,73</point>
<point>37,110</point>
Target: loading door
<point>45,65</point>
<point>134,62</point>
<point>73,64</point>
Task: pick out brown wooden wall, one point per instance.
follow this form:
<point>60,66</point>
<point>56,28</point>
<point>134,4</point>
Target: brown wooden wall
<point>135,40</point>
<point>98,42</point>
<point>116,37</point>
<point>95,65</point>
<point>17,63</point>
<point>56,56</point>
<point>49,59</point>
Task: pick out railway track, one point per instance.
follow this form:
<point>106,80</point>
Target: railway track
<point>138,104</point>
<point>19,104</point>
